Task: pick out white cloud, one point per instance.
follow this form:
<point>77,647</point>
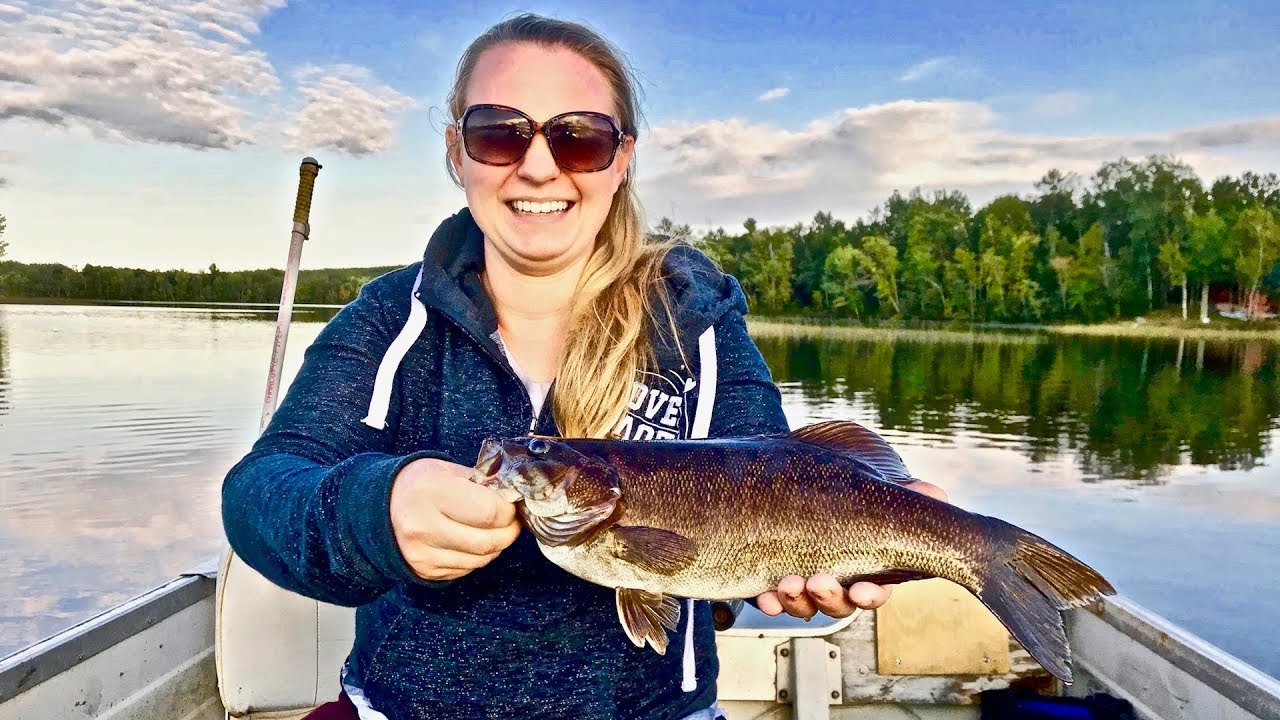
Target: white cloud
<point>140,71</point>
<point>176,72</point>
<point>346,110</point>
<point>1061,104</point>
<point>774,94</point>
<point>927,68</point>
<point>724,171</point>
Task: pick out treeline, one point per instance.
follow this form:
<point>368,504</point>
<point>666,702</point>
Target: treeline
<point>1137,236</point>
<point>96,282</point>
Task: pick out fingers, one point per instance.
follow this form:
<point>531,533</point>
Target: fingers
<point>478,506</point>
<point>829,596</point>
<point>869,596</point>
<point>431,563</point>
<point>457,537</point>
<point>446,526</point>
<point>823,593</point>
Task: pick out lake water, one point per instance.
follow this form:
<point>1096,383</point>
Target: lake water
<point>1154,461</point>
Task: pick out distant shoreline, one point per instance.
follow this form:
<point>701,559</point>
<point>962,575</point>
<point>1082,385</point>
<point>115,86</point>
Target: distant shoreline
<point>1173,329</point>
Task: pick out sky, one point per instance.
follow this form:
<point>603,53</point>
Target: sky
<point>167,134</point>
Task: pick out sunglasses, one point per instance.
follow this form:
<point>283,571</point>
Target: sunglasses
<point>580,141</point>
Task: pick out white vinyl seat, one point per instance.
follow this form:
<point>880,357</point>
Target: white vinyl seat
<point>278,653</point>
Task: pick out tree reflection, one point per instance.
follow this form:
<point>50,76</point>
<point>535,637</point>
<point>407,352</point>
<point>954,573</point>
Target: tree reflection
<point>1124,409</point>
<point>4,363</point>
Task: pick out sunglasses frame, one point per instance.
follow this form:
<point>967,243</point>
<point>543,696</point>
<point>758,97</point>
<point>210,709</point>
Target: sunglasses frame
<point>540,127</point>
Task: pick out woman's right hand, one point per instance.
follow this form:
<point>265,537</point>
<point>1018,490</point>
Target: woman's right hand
<point>445,524</point>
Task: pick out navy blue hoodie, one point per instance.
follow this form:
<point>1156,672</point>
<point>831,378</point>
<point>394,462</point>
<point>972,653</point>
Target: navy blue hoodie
<point>412,369</point>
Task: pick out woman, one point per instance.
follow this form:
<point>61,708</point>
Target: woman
<point>359,491</point>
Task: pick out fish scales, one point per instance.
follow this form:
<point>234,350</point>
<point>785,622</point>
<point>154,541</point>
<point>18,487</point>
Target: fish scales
<point>727,519</point>
<point>824,513</point>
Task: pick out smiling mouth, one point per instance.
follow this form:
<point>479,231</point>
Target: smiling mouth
<point>549,208</point>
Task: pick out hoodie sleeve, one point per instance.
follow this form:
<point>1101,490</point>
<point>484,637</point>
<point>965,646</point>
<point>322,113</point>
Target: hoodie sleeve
<point>309,506</point>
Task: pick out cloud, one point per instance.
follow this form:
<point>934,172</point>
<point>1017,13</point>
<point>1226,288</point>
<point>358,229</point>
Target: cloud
<point>1061,104</point>
<point>178,72</point>
<point>138,71</point>
<point>774,94</point>
<point>347,110</point>
<point>726,170</point>
<point>926,69</point>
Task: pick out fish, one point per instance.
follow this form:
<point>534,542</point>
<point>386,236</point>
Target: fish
<point>726,519</point>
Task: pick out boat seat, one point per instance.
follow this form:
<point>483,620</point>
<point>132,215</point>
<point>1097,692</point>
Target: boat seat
<point>278,653</point>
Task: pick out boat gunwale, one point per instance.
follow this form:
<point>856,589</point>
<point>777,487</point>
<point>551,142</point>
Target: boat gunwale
<point>1245,685</point>
<point>1248,687</point>
<point>64,650</point>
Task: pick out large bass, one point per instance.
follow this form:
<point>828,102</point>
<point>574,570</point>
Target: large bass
<point>727,519</point>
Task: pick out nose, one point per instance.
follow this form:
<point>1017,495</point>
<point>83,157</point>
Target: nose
<point>538,164</point>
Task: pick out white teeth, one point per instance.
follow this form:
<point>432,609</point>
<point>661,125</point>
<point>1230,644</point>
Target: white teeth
<point>540,207</point>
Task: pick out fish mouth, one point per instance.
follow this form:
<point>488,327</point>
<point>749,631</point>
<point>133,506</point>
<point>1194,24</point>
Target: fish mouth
<point>489,460</point>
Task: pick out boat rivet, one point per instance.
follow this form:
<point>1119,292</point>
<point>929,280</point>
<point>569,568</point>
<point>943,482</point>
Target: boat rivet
<point>898,661</point>
<point>862,669</point>
<point>784,652</point>
<point>835,695</point>
<point>832,654</point>
<point>985,659</point>
<point>782,694</point>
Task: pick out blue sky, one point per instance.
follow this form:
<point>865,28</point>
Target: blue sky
<point>167,133</point>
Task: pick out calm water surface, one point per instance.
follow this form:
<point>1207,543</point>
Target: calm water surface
<point>1155,461</point>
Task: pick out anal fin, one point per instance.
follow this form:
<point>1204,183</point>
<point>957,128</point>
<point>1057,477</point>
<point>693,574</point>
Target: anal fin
<point>647,616</point>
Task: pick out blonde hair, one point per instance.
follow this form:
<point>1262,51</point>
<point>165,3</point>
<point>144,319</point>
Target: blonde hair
<point>608,339</point>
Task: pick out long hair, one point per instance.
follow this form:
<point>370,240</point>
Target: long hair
<point>614,305</point>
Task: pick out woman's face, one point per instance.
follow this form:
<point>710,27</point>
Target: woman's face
<point>541,82</point>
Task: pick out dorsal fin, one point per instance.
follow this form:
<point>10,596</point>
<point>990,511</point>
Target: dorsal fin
<point>852,439</point>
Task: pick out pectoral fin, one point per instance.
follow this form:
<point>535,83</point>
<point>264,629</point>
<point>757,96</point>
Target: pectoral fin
<point>653,549</point>
<point>647,616</point>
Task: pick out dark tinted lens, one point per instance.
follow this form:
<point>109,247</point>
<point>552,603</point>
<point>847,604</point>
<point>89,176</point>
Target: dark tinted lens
<point>494,136</point>
<point>583,143</point>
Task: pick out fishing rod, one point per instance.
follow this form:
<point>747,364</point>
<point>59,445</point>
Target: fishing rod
<point>307,173</point>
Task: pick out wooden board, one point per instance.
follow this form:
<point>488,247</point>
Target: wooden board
<point>935,627</point>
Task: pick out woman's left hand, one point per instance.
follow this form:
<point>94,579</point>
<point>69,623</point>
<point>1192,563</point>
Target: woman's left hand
<point>803,598</point>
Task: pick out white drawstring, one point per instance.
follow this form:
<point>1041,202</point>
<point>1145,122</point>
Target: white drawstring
<point>380,402</point>
<point>701,427</point>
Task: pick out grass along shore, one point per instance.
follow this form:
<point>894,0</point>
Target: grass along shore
<point>1156,327</point>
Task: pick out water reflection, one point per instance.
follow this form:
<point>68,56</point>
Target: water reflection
<point>116,426</point>
<point>4,366</point>
<point>1123,409</point>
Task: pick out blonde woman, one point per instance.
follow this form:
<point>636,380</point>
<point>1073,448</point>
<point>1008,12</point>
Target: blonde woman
<point>540,306</point>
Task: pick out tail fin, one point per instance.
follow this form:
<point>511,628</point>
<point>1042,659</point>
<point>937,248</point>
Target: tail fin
<point>1029,591</point>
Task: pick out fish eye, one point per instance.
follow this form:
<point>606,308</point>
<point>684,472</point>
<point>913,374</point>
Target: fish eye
<point>538,446</point>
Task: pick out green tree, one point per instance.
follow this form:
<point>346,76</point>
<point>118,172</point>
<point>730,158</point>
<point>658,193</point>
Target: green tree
<point>843,280</point>
<point>1175,266</point>
<point>880,258</point>
<point>766,267</point>
<point>1208,254</point>
<point>813,247</point>
<point>667,228</point>
<point>965,279</point>
<point>1256,236</point>
<point>1085,280</point>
